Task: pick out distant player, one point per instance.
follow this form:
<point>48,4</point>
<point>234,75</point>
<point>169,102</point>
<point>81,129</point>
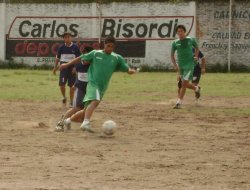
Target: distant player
<point>185,67</point>
<point>80,91</point>
<point>103,63</point>
<point>66,52</point>
<point>198,70</point>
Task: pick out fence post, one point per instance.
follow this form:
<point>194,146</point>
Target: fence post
<point>229,35</point>
<point>2,31</point>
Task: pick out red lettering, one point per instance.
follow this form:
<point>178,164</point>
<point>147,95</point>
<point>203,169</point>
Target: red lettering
<point>43,49</point>
<point>54,48</point>
<point>31,48</point>
<point>20,48</point>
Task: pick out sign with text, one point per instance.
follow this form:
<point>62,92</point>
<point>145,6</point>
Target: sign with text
<point>129,28</point>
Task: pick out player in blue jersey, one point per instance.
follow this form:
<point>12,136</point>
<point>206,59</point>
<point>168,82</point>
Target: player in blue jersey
<point>198,70</point>
<point>66,52</point>
<point>80,91</point>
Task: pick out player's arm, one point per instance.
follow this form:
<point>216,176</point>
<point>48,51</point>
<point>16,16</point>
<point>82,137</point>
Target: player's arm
<point>56,65</point>
<point>196,53</point>
<point>203,62</point>
<point>196,50</point>
<point>131,71</point>
<point>174,62</point>
<point>57,61</point>
<point>173,49</point>
<point>72,62</point>
<point>203,65</point>
<point>123,66</point>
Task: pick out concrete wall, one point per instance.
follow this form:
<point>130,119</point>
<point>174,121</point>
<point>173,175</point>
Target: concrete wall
<point>144,30</point>
<point>212,31</point>
<point>2,31</point>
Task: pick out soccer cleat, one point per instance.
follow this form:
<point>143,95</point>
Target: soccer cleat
<point>59,127</point>
<point>198,93</point>
<point>64,100</point>
<point>71,104</point>
<point>86,127</point>
<point>177,106</point>
<point>67,124</point>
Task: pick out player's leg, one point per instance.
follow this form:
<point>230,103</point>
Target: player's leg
<point>71,82</point>
<point>62,83</point>
<point>78,116</point>
<point>180,90</point>
<point>90,108</point>
<point>77,106</point>
<point>196,80</point>
<point>179,87</point>
<point>92,100</point>
<point>186,76</point>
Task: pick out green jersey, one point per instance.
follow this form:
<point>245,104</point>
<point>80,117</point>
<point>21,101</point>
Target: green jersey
<point>185,57</point>
<point>102,66</point>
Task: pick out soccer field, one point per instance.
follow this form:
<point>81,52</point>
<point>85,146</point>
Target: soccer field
<point>204,146</point>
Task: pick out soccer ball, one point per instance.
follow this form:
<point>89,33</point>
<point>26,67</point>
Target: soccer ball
<point>109,127</point>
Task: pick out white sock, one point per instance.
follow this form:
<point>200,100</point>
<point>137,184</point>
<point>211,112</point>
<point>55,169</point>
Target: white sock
<point>196,88</point>
<point>179,101</point>
<point>85,121</point>
<point>68,121</point>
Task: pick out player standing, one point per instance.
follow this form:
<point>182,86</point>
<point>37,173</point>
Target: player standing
<point>65,53</point>
<point>198,70</point>
<point>185,66</point>
<point>103,63</point>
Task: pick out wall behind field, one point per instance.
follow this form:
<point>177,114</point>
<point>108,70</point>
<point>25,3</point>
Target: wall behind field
<point>144,30</point>
<point>31,32</point>
<point>213,33</point>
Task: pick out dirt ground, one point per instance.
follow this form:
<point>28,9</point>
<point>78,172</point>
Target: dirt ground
<point>204,147</point>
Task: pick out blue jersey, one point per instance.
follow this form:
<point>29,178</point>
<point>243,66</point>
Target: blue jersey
<point>67,53</point>
<point>81,75</point>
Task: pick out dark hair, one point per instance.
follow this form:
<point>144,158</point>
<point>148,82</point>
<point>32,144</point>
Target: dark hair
<point>181,27</point>
<point>66,34</point>
<point>109,39</point>
<point>87,49</point>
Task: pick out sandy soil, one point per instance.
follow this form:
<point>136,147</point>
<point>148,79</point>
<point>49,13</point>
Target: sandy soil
<point>155,147</point>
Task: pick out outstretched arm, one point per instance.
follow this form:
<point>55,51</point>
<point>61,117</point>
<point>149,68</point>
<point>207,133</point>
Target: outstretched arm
<point>131,71</point>
<point>72,62</point>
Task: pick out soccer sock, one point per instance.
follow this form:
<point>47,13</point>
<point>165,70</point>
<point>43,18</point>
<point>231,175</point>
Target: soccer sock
<point>179,101</point>
<point>196,88</point>
<point>68,121</point>
<point>85,121</point>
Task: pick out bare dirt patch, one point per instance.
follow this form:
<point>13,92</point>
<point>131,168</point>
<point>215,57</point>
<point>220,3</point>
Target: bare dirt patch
<point>205,146</point>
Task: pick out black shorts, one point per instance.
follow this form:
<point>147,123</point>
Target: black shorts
<point>78,98</point>
<point>67,76</point>
<point>196,75</point>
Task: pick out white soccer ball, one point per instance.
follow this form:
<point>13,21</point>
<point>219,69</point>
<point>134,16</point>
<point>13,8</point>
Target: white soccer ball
<point>109,127</point>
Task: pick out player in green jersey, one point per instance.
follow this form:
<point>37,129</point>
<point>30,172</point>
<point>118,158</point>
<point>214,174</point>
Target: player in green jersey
<point>103,63</point>
<point>185,62</point>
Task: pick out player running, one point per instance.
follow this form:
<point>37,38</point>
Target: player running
<point>66,52</point>
<point>185,66</point>
<point>198,70</point>
<point>103,63</point>
<point>80,91</point>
